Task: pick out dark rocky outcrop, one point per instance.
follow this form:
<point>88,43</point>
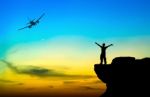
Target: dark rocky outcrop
<point>126,75</point>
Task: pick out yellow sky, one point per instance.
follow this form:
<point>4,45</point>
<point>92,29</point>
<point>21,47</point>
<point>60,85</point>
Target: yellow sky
<point>16,83</point>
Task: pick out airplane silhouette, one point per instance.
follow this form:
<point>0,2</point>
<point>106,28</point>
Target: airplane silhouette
<point>33,22</point>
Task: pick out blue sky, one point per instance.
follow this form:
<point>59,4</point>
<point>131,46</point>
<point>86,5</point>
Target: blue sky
<point>95,19</point>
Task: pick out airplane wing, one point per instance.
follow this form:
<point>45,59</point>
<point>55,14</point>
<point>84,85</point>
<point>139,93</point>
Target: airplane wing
<point>40,17</point>
<point>24,28</point>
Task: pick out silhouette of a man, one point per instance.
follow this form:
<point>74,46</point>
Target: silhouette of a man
<point>103,52</point>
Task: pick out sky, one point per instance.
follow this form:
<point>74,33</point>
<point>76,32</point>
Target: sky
<point>63,41</point>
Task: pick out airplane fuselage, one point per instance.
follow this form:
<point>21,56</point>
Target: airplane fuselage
<point>32,23</point>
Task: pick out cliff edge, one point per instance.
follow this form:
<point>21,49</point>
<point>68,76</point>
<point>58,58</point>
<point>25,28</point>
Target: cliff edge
<point>126,75</point>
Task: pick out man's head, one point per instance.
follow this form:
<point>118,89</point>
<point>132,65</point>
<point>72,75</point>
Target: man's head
<point>103,44</point>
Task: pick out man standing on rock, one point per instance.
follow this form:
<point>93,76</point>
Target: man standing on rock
<point>103,52</point>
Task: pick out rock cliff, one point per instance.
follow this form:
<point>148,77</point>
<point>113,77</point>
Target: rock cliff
<point>125,76</point>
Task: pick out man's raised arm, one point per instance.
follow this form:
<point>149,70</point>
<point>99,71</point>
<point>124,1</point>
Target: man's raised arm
<point>109,45</point>
<point>98,44</point>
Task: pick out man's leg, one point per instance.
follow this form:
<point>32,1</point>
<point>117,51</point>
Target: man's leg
<point>101,59</point>
<point>105,61</point>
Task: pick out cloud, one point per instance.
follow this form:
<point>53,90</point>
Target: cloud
<point>13,68</point>
<point>51,86</point>
<point>33,70</point>
<point>70,82</point>
<point>96,81</point>
<point>6,81</point>
<point>43,72</point>
<point>88,88</point>
<point>20,83</point>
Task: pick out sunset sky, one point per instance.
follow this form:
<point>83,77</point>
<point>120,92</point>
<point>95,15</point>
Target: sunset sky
<point>61,47</point>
